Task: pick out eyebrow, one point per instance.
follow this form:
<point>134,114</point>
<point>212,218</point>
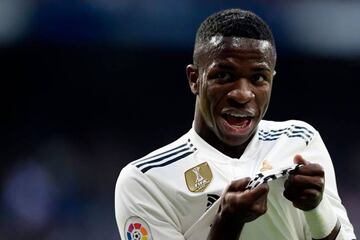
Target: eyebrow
<point>229,66</point>
<point>223,65</point>
<point>261,68</point>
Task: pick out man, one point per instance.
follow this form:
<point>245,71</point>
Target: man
<point>197,187</point>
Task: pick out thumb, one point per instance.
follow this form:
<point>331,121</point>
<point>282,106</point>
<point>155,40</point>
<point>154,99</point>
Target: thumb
<point>298,159</point>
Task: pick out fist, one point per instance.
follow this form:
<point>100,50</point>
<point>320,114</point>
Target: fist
<point>305,186</point>
<point>240,205</point>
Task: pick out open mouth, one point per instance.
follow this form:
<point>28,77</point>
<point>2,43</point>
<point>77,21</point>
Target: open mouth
<point>237,120</point>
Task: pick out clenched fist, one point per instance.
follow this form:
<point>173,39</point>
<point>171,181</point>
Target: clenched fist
<point>237,207</point>
<point>305,186</point>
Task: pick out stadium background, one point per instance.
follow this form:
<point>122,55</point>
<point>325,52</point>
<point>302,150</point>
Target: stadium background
<point>88,86</point>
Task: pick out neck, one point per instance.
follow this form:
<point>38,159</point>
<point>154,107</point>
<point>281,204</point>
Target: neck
<point>206,133</point>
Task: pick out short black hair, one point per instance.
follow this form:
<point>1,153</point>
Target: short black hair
<point>233,23</point>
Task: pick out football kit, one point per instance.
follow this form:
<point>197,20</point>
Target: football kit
<point>174,192</point>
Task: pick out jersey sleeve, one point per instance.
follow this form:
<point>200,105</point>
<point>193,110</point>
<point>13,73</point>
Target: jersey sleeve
<point>142,210</point>
<point>317,152</point>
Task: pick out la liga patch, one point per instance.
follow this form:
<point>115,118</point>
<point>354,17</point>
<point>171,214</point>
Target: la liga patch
<point>137,229</point>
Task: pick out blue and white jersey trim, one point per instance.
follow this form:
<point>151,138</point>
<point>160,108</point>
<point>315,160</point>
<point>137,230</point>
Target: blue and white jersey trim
<point>165,158</point>
<point>293,131</point>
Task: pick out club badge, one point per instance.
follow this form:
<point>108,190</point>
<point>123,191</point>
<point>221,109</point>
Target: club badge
<point>137,229</point>
<point>265,166</point>
<point>198,177</point>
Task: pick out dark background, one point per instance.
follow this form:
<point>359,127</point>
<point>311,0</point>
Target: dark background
<point>90,86</point>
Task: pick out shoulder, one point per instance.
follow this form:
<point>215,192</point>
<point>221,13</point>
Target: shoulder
<point>161,157</point>
<point>154,174</point>
<point>267,125</point>
<point>166,155</point>
<point>291,129</point>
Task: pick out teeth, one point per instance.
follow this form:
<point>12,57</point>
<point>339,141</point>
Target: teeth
<point>238,115</point>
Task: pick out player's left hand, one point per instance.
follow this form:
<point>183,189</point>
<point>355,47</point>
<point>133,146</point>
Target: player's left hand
<point>305,186</point>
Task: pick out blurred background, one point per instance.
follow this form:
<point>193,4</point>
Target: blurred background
<point>88,86</point>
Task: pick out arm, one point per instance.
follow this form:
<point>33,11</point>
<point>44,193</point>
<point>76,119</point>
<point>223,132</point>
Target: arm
<point>317,153</point>
<point>305,189</point>
<point>237,207</point>
<point>142,209</point>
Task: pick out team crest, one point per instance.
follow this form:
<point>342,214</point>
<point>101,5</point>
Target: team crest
<point>198,177</point>
<point>265,166</point>
<point>137,229</point>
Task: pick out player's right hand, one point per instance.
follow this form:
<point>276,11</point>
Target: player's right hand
<point>239,205</point>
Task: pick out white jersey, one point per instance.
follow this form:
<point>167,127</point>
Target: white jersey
<point>173,192</point>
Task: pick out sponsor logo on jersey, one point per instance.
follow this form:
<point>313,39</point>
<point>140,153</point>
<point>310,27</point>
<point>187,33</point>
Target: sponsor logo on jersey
<point>137,229</point>
<point>198,177</point>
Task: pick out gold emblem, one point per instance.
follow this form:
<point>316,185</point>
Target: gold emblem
<point>265,165</point>
<point>198,177</point>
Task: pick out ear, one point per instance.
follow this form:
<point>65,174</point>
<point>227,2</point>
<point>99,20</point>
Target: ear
<point>192,74</point>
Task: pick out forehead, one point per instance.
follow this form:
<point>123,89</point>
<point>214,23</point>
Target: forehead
<point>243,49</point>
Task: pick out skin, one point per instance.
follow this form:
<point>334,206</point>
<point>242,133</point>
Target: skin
<point>305,188</point>
<point>232,81</point>
<point>233,75</point>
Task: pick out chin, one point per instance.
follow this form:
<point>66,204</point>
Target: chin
<point>236,142</point>
<point>233,135</point>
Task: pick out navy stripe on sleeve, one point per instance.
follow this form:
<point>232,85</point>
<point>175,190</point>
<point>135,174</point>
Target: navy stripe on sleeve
<point>169,161</point>
<point>166,157</point>
<point>161,154</point>
<point>292,132</point>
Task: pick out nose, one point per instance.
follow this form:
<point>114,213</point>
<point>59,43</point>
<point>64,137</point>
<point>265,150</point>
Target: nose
<point>241,92</point>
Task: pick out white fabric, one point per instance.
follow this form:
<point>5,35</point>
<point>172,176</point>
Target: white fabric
<point>321,220</point>
<point>154,188</point>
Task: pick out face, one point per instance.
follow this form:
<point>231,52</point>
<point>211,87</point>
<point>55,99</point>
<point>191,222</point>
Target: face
<point>232,81</point>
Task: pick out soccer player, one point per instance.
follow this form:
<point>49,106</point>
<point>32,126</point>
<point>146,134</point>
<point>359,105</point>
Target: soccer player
<point>197,187</point>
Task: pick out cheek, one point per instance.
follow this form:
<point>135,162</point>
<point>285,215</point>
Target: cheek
<point>210,99</point>
<point>215,94</point>
<point>204,100</point>
<point>263,98</point>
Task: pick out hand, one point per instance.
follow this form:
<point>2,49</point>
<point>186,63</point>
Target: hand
<point>305,186</point>
<point>237,207</point>
<point>240,205</point>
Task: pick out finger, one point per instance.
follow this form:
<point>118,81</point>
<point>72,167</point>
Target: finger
<point>310,194</point>
<point>260,199</point>
<point>302,194</point>
<point>238,185</point>
<point>257,193</point>
<point>298,159</point>
<point>260,205</point>
<point>306,200</point>
<point>312,169</point>
<point>302,182</point>
<point>249,196</point>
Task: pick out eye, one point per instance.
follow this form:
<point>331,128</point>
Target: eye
<point>259,78</point>
<point>222,76</point>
